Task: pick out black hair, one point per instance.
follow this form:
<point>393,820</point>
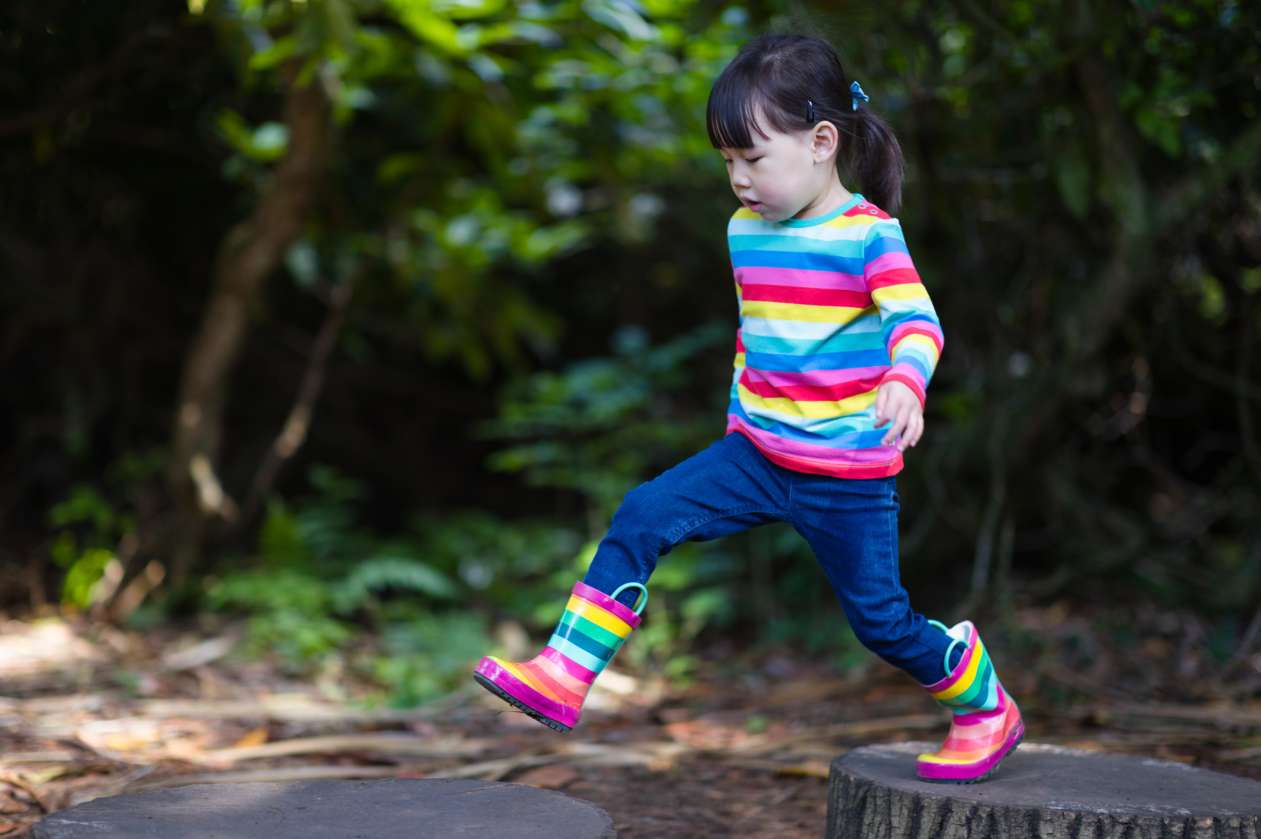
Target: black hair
<point>797,81</point>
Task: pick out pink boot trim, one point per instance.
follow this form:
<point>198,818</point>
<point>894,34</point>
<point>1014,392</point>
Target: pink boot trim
<point>525,694</point>
<point>966,772</point>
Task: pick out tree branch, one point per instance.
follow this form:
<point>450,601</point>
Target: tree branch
<point>248,256</point>
<point>294,431</point>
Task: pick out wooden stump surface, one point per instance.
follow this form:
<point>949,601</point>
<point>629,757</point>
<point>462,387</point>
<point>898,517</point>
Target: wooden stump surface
<point>391,809</point>
<point>1039,792</point>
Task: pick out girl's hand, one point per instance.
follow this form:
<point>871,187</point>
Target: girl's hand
<point>897,403</point>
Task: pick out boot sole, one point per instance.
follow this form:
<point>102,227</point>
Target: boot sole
<point>1019,739</point>
<point>521,706</point>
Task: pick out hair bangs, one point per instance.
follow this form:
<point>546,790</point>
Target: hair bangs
<point>740,104</point>
<point>732,112</point>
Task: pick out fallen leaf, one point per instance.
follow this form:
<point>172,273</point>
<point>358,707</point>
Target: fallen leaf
<point>255,737</point>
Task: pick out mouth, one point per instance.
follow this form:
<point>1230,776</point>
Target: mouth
<point>755,206</point>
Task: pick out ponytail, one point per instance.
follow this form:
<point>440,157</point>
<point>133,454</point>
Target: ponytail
<point>873,157</point>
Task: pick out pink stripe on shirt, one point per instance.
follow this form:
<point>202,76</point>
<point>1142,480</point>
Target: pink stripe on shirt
<point>815,378</point>
<point>808,296</point>
<point>805,277</point>
<point>889,262</point>
<point>856,457</point>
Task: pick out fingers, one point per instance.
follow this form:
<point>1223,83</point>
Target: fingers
<point>907,428</point>
<point>900,420</point>
<point>899,406</point>
<point>882,401</point>
<point>916,429</point>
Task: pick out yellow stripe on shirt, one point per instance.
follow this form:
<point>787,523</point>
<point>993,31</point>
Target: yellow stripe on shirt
<point>902,291</point>
<point>802,312</point>
<point>822,409</point>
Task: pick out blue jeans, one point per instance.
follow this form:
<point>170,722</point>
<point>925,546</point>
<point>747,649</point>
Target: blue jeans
<point>851,525</point>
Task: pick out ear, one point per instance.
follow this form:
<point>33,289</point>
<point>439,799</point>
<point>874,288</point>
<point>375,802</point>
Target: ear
<point>825,142</point>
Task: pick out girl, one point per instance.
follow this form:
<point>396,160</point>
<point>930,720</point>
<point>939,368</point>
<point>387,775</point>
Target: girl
<point>837,339</point>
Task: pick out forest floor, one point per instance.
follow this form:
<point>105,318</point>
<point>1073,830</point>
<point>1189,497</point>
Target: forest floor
<point>747,742</point>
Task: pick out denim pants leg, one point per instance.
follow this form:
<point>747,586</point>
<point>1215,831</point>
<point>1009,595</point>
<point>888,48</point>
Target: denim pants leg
<point>724,489</point>
<point>852,527</point>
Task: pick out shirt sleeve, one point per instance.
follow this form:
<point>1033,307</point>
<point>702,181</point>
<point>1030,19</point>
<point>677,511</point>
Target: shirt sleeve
<point>908,321</point>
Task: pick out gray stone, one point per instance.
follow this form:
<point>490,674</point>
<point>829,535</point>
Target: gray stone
<point>391,809</point>
<point>1039,792</point>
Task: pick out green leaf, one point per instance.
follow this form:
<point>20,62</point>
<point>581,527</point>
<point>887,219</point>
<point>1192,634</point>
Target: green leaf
<point>419,17</point>
<point>392,567</point>
<point>468,9</point>
<point>265,144</point>
<point>84,573</point>
<point>274,55</point>
<point>620,16</point>
<point>84,506</point>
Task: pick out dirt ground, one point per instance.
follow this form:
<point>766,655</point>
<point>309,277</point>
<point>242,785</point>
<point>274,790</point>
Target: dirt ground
<point>742,749</point>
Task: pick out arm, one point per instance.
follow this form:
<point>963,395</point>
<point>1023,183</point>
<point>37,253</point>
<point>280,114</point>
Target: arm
<point>908,320</point>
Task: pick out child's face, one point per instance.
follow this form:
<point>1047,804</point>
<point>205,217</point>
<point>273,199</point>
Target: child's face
<point>779,176</point>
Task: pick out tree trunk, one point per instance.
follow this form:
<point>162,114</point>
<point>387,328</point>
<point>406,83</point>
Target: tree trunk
<point>247,257</point>
<point>1039,792</point>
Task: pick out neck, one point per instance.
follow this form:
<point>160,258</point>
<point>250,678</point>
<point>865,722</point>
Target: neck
<point>828,199</point>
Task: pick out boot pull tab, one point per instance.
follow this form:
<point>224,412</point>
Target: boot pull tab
<point>638,608</point>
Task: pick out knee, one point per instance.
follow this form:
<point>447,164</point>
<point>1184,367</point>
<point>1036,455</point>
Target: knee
<point>641,511</point>
<point>638,530</point>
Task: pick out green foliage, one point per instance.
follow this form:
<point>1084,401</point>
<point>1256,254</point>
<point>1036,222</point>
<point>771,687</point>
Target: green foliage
<point>85,506</point>
<point>83,572</point>
<point>393,567</point>
<point>320,582</point>
<point>601,425</point>
<point>547,127</point>
<point>265,143</point>
<point>86,531</point>
<point>427,655</point>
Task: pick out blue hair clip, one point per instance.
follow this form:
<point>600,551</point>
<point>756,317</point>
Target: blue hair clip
<point>810,115</point>
<point>857,93</point>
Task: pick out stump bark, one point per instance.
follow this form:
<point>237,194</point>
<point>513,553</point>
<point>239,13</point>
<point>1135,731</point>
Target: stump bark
<point>393,809</point>
<point>1039,792</point>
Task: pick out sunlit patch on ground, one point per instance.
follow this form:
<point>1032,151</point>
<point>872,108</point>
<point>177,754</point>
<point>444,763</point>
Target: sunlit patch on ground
<point>36,653</point>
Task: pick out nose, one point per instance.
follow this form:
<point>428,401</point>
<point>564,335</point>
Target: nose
<point>740,177</point>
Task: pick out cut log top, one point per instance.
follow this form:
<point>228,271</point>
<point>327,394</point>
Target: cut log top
<point>1039,791</point>
<point>392,809</point>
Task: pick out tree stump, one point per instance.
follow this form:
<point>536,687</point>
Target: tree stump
<point>1039,792</point>
<point>392,809</point>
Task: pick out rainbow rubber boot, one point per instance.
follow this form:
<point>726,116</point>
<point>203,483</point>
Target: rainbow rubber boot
<point>552,686</point>
<point>986,726</point>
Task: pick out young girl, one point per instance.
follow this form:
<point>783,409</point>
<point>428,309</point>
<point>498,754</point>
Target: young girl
<point>836,344</point>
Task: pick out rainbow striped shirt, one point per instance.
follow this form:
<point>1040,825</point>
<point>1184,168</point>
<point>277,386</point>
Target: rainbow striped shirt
<point>830,308</point>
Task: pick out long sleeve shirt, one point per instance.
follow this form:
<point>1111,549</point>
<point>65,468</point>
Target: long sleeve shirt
<point>830,308</point>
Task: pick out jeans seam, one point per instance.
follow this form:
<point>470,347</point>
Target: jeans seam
<point>676,535</point>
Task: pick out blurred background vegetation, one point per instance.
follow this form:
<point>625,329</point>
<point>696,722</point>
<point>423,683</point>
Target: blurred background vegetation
<point>358,317</point>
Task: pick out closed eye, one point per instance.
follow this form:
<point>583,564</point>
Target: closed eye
<point>754,159</point>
